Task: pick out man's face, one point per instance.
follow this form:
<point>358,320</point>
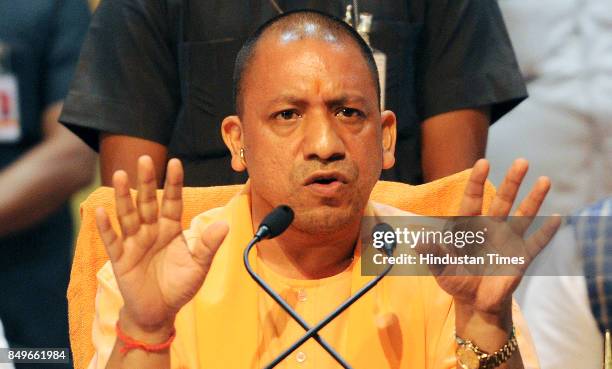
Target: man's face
<point>311,129</point>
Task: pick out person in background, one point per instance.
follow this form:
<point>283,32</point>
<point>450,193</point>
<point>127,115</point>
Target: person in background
<point>154,79</point>
<point>569,309</point>
<point>41,165</point>
<point>564,129</point>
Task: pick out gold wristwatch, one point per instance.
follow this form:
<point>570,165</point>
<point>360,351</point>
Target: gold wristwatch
<point>469,356</point>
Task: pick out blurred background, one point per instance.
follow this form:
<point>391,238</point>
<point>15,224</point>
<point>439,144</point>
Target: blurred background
<point>564,129</point>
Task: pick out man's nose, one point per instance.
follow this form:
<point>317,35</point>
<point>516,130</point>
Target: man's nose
<point>321,138</point>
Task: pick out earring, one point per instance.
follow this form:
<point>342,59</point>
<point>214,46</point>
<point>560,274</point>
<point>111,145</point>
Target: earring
<point>242,153</point>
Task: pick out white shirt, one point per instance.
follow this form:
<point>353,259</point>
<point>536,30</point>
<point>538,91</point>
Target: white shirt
<point>558,312</point>
<point>564,128</point>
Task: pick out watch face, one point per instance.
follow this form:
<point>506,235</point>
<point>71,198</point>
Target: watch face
<point>467,358</point>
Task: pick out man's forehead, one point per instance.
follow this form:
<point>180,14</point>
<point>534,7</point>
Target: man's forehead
<point>287,72</point>
<point>280,38</point>
<point>308,57</point>
<point>306,30</point>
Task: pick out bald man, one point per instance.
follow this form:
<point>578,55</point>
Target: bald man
<point>311,134</point>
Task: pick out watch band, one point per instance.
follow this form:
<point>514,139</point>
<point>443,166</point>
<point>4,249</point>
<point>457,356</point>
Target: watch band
<point>491,361</point>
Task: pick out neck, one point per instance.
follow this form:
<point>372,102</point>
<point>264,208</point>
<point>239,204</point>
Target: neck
<point>300,255</point>
<point>294,256</point>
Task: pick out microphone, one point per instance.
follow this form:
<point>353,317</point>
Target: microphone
<point>275,223</point>
<point>388,247</point>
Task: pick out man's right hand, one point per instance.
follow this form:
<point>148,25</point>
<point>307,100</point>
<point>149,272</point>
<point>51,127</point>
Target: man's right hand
<point>157,273</point>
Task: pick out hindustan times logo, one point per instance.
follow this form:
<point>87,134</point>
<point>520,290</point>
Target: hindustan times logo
<point>412,238</point>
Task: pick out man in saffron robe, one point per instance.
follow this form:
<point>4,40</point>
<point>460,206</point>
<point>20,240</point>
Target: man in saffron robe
<point>311,134</point>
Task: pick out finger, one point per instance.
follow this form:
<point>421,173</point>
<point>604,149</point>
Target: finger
<point>126,212</point>
<point>208,244</point>
<point>147,186</point>
<point>542,236</point>
<point>471,204</point>
<point>111,241</point>
<point>172,201</point>
<point>529,207</point>
<point>532,203</point>
<point>504,199</point>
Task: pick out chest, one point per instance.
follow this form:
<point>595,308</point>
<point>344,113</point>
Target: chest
<point>219,21</point>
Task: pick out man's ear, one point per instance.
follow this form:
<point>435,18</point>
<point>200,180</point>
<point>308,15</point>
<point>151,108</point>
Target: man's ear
<point>389,137</point>
<point>231,130</point>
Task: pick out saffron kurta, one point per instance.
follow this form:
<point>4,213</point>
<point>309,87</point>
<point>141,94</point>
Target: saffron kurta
<point>404,322</point>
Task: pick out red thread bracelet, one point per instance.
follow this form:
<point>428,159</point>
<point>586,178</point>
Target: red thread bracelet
<point>130,343</point>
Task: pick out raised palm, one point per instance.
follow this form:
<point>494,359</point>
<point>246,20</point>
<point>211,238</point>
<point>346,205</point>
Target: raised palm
<point>489,292</point>
<point>156,271</point>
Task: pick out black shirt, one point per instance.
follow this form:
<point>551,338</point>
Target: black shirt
<point>162,70</point>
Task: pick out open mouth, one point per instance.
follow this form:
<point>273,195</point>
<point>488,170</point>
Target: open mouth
<point>325,180</point>
<point>326,183</point>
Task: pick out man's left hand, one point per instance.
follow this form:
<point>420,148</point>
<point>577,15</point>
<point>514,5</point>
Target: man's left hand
<point>492,294</point>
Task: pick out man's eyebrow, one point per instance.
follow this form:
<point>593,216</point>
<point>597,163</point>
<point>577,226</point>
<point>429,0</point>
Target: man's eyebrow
<point>343,99</point>
<point>287,98</point>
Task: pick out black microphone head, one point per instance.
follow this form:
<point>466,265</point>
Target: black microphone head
<point>385,228</point>
<point>277,221</point>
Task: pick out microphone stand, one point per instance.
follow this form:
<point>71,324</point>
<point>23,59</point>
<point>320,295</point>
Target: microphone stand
<point>287,308</point>
<point>311,332</point>
<point>314,330</point>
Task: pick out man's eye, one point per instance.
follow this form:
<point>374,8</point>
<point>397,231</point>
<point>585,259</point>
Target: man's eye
<point>287,115</point>
<point>349,113</point>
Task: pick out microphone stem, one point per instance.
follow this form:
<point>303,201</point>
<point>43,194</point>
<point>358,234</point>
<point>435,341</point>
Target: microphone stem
<point>312,332</point>
<point>288,309</point>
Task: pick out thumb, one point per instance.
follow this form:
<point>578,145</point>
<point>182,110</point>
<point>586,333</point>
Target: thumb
<point>208,243</point>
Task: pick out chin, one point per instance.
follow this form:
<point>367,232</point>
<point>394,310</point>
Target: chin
<point>325,219</point>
